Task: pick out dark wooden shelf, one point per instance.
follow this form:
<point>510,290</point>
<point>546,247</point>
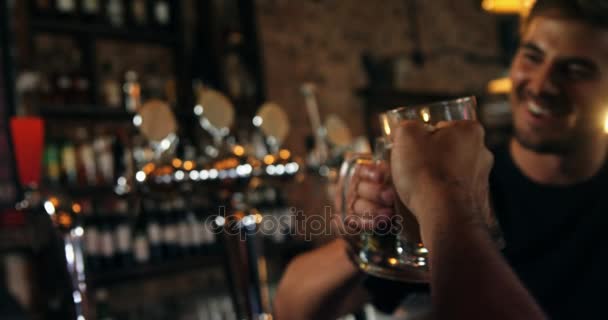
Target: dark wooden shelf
<point>152,271</point>
<point>80,191</point>
<point>96,113</point>
<point>79,112</point>
<point>156,36</point>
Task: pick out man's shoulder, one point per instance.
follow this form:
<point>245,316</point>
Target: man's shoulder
<point>502,159</point>
<point>500,151</point>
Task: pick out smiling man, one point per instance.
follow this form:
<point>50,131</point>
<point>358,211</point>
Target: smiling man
<point>548,185</point>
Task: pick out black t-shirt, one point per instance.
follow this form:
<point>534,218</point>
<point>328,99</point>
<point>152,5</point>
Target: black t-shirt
<point>556,239</point>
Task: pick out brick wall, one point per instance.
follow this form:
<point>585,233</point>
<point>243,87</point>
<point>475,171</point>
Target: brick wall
<point>322,41</point>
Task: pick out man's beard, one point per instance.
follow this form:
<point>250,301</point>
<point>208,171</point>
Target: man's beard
<point>563,146</point>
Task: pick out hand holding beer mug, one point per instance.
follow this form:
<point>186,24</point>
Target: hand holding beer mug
<point>395,250</point>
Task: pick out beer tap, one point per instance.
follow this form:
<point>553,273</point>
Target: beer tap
<point>321,150</point>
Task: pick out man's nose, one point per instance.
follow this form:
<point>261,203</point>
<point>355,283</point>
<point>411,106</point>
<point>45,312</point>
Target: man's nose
<point>542,81</point>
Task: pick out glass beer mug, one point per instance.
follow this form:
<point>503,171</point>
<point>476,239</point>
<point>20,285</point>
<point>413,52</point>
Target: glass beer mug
<point>396,252</point>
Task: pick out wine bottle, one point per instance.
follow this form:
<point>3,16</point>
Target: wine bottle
<point>115,12</point>
<point>91,10</point>
<point>52,164</point>
<point>194,226</point>
<point>153,231</point>
<point>81,85</point>
<point>101,305</point>
<point>238,79</point>
<point>209,237</point>
<point>140,12</point>
<point>107,245</point>
<point>153,84</point>
<point>131,92</point>
<point>169,227</point>
<point>92,241</point>
<point>43,7</point>
<point>62,88</point>
<point>86,159</point>
<point>105,159</point>
<point>162,13</point>
<point>141,246</point>
<point>184,238</point>
<point>68,163</point>
<point>122,235</point>
<point>66,7</point>
<point>110,87</point>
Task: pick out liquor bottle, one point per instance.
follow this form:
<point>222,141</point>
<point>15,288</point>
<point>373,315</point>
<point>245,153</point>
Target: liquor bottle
<point>153,83</point>
<point>153,231</point>
<point>238,79</point>
<point>209,244</point>
<point>45,88</point>
<point>282,214</point>
<point>80,89</point>
<point>122,158</point>
<point>115,12</point>
<point>66,7</point>
<point>140,12</point>
<point>87,175</point>
<point>195,231</point>
<point>105,159</point>
<point>91,10</point>
<point>184,237</point>
<point>68,163</point>
<point>43,7</point>
<point>91,241</point>
<point>110,88</point>
<point>51,163</point>
<point>131,91</point>
<point>62,87</point>
<point>141,246</point>
<point>162,13</point>
<point>102,307</point>
<point>169,231</point>
<point>128,164</point>
<point>106,240</point>
<point>170,88</point>
<point>122,235</point>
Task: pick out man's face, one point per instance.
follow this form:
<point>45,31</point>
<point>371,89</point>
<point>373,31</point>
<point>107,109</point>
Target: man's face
<point>560,84</point>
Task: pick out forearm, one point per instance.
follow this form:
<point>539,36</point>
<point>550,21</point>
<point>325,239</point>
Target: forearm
<point>321,284</point>
<point>469,277</point>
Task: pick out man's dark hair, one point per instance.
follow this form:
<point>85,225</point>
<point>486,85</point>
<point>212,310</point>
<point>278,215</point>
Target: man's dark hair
<point>593,12</point>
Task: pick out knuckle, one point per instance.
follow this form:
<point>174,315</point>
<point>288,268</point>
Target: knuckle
<point>409,127</point>
<point>474,129</point>
<point>488,156</point>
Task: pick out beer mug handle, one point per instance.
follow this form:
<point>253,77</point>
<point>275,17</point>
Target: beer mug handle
<point>347,171</point>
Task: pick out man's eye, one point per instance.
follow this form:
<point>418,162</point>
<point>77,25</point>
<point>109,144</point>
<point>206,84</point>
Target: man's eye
<point>575,71</point>
<point>532,57</point>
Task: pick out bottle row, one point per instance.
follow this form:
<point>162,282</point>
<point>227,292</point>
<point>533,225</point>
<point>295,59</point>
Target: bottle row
<point>71,86</point>
<point>168,229</point>
<point>199,306</point>
<point>115,241</point>
<point>115,13</point>
<point>82,159</point>
<point>109,157</point>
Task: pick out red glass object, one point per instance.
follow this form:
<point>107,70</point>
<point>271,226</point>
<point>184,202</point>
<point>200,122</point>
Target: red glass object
<point>28,143</point>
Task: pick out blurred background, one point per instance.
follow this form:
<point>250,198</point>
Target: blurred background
<point>135,133</point>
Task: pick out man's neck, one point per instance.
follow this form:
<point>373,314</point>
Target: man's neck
<point>552,169</point>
